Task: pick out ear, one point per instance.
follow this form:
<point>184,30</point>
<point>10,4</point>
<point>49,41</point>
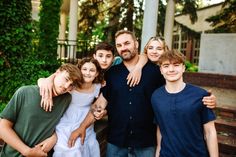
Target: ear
<point>58,71</point>
<point>184,67</point>
<point>161,70</point>
<point>94,56</point>
<point>97,74</point>
<point>136,44</point>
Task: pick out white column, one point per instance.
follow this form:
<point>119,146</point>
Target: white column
<point>169,22</point>
<point>73,28</point>
<point>149,21</point>
<point>62,36</point>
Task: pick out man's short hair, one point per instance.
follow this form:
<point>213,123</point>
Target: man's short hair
<point>104,46</point>
<point>120,32</point>
<point>173,56</point>
<point>75,74</point>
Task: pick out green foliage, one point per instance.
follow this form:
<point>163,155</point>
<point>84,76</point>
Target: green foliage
<point>225,20</point>
<point>2,106</point>
<point>89,16</point>
<point>49,30</point>
<point>191,67</point>
<point>190,7</point>
<point>15,46</point>
<point>19,64</point>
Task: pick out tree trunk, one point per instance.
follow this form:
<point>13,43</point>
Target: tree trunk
<point>130,12</point>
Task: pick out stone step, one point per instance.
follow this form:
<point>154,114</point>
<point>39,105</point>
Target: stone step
<point>227,126</point>
<point>100,128</point>
<point>225,111</point>
<point>227,144</point>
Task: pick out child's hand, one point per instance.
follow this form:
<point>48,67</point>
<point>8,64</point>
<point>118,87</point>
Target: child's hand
<point>46,86</point>
<point>47,144</point>
<point>98,112</point>
<point>79,132</point>
<point>134,77</point>
<point>34,152</point>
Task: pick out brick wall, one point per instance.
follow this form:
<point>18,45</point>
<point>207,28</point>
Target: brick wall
<point>211,80</point>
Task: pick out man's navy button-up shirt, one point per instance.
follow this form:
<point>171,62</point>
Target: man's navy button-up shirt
<point>130,114</point>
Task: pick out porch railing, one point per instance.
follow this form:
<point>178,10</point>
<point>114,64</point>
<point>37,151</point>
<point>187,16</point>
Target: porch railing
<point>71,50</point>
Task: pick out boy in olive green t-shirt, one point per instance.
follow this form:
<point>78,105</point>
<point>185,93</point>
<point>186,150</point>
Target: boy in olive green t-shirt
<point>25,127</point>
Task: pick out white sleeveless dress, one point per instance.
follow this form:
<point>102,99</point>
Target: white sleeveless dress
<point>71,120</point>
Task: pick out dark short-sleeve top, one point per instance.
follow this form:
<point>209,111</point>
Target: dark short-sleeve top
<point>181,117</point>
<point>130,115</point>
<point>31,123</point>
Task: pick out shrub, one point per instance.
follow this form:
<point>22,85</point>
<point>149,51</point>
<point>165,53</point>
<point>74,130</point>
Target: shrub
<point>191,67</point>
<point>19,64</point>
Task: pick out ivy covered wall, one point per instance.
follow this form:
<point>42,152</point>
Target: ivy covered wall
<point>26,51</point>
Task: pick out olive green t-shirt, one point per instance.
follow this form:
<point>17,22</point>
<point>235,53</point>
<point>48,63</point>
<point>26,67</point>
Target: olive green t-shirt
<point>31,123</point>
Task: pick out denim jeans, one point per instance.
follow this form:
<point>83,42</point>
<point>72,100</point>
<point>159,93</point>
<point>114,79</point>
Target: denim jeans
<point>114,151</point>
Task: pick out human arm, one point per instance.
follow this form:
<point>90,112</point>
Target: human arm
<point>98,108</point>
<point>47,144</point>
<point>209,101</point>
<point>89,120</point>
<point>134,76</point>
<point>158,142</point>
<point>211,139</point>
<point>46,86</point>
<point>10,137</point>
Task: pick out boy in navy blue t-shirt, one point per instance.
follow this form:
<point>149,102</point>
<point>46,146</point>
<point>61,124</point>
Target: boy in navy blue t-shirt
<point>185,126</point>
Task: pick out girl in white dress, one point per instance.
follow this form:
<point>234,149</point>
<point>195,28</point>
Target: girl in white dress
<point>82,98</point>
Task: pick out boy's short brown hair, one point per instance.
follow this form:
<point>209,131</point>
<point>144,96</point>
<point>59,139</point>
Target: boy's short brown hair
<point>104,46</point>
<point>173,56</point>
<point>75,74</point>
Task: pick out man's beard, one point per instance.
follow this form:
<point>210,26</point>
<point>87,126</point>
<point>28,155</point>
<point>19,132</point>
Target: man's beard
<point>128,55</point>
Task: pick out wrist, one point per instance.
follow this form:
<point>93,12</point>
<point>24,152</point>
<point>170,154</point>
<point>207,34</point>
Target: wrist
<point>138,67</point>
<point>25,151</point>
<point>82,126</point>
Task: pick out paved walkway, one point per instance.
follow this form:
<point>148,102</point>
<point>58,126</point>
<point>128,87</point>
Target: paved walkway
<point>225,97</point>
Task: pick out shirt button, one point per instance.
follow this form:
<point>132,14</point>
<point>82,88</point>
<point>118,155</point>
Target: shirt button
<point>130,117</point>
<point>130,89</point>
<point>131,132</point>
<point>130,102</point>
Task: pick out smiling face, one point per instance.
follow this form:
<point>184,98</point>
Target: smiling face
<point>172,65</point>
<point>104,58</point>
<point>89,72</point>
<point>154,50</point>
<point>172,71</point>
<point>126,46</point>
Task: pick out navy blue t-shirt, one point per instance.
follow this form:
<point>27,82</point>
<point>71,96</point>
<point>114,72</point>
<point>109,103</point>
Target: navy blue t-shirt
<point>181,117</point>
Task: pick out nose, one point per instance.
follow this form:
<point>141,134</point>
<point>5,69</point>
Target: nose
<point>154,51</point>
<point>104,59</point>
<point>87,72</point>
<point>171,68</point>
